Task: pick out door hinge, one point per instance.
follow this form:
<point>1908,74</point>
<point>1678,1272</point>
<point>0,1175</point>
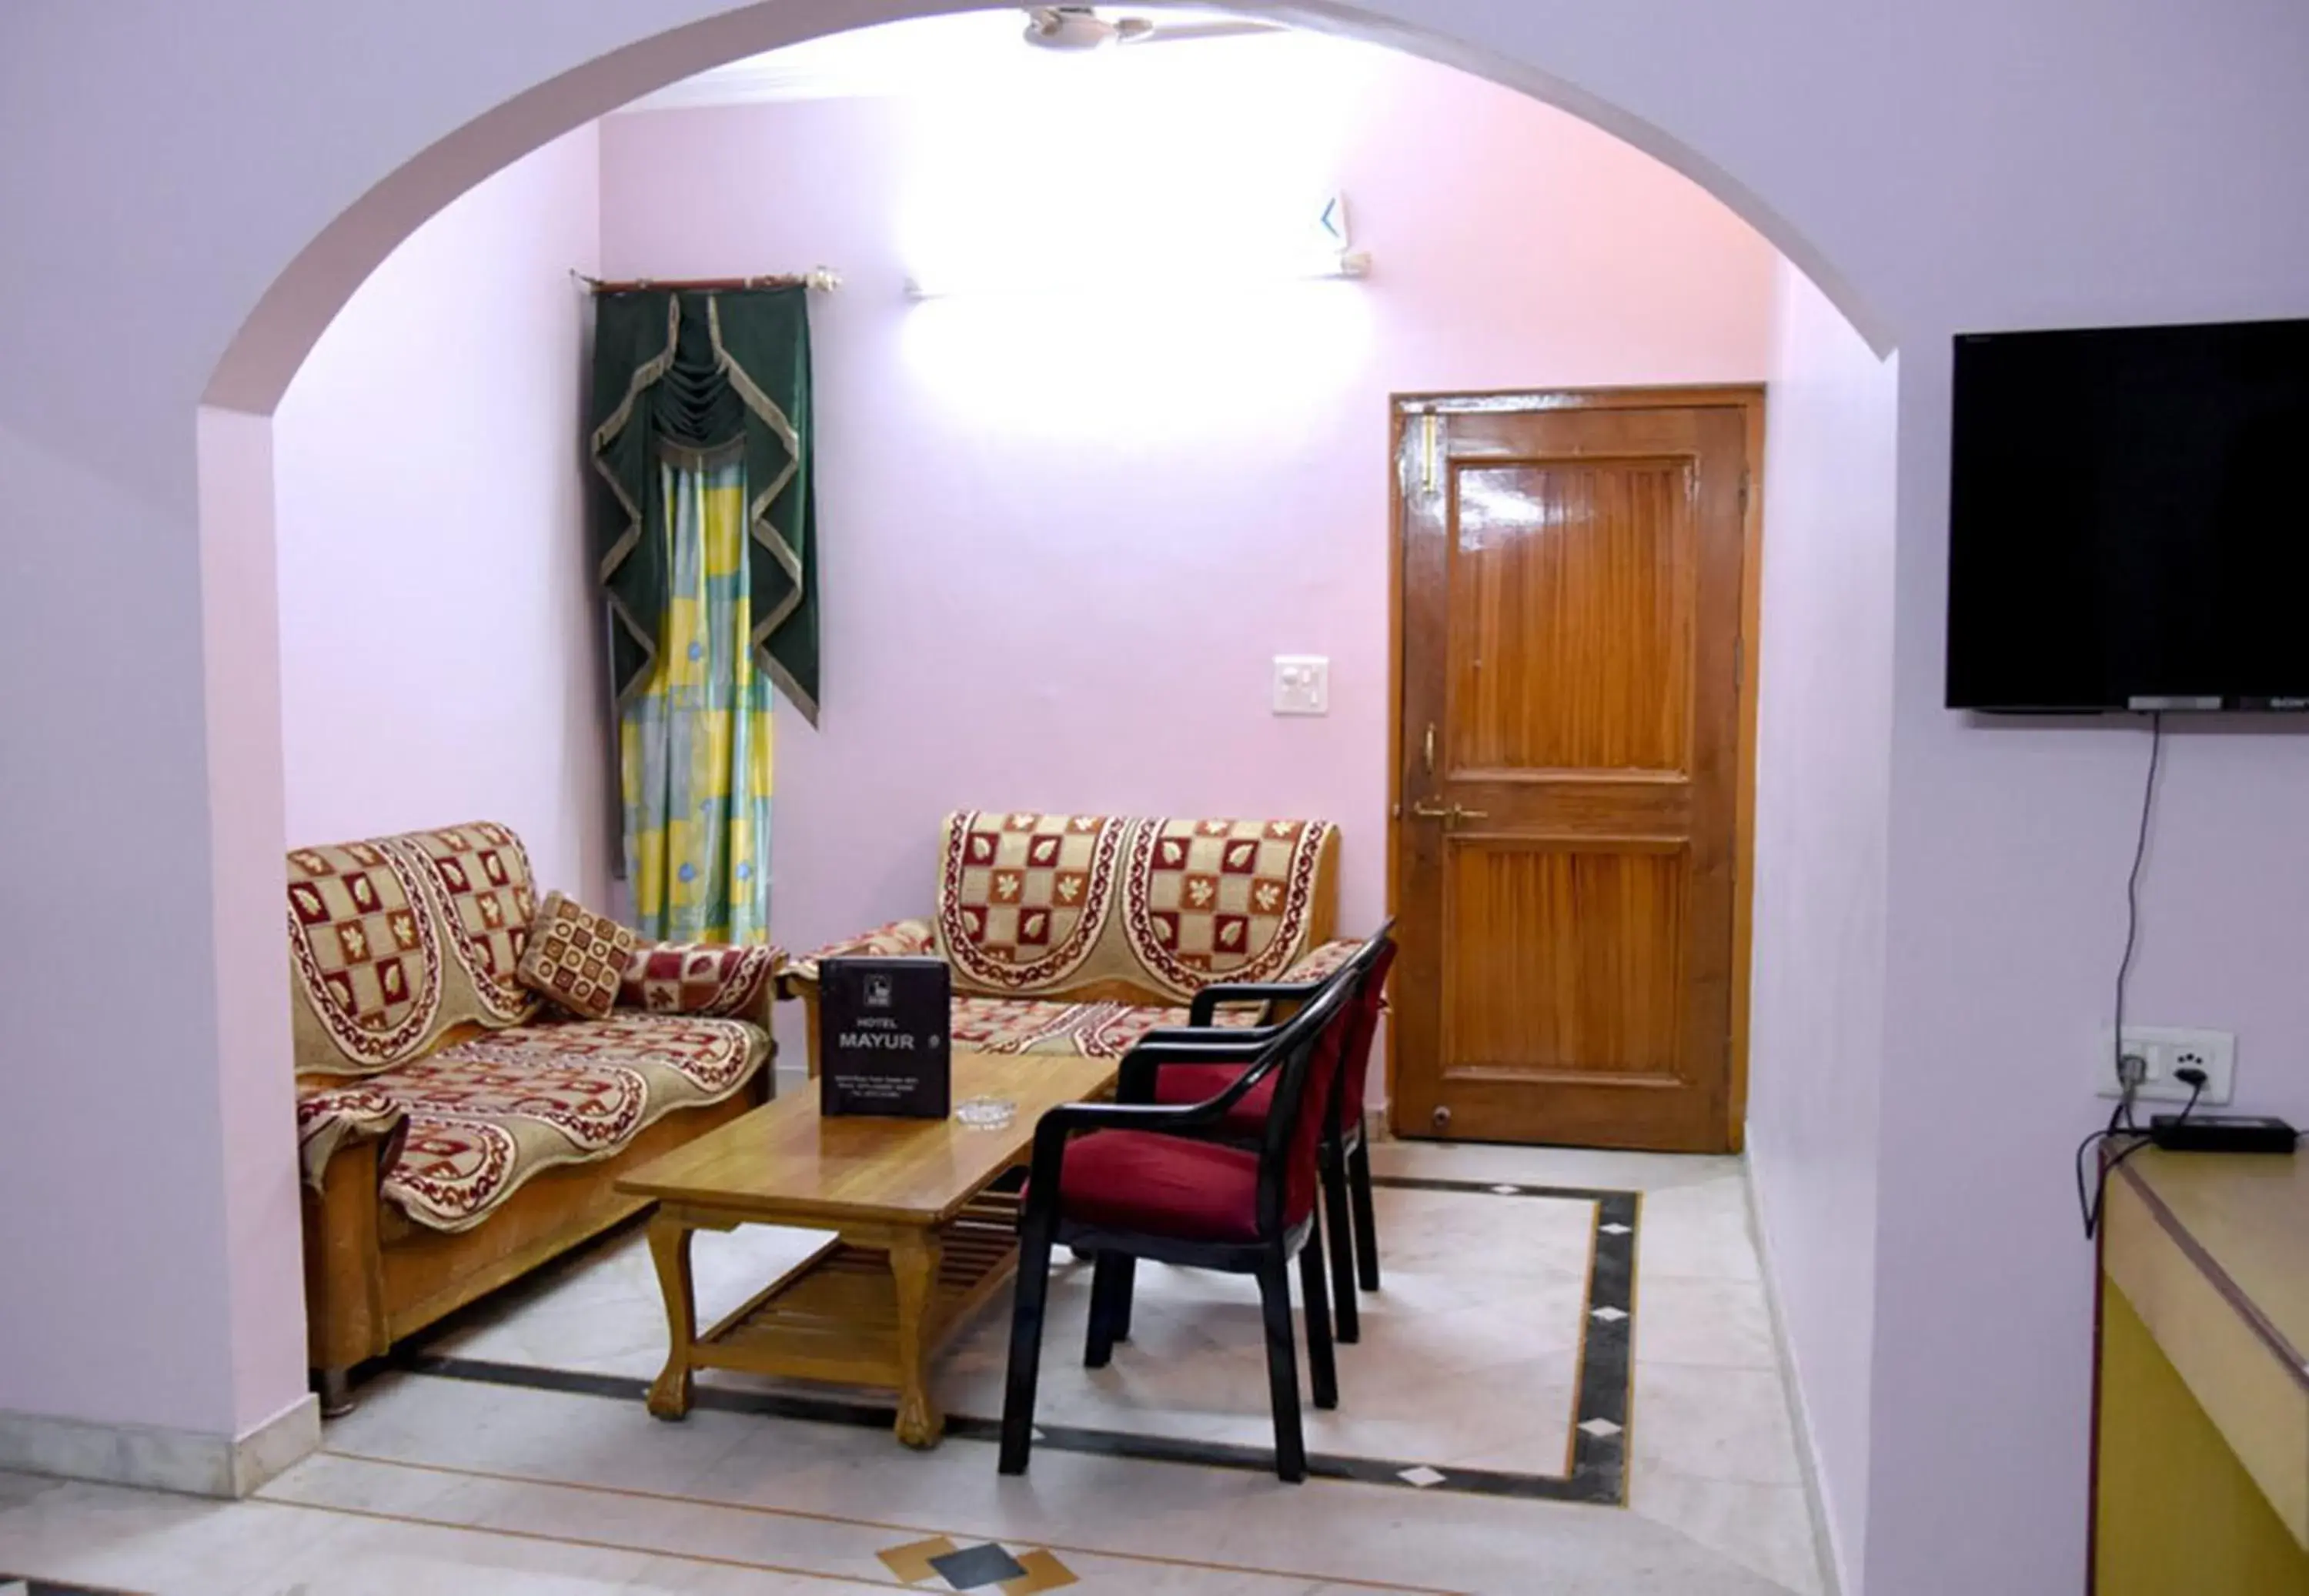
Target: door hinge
<point>1739,664</point>
<point>1430,440</point>
<point>1428,747</point>
<point>1743,490</point>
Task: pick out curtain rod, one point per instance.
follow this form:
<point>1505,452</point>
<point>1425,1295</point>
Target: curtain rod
<point>822,280</point>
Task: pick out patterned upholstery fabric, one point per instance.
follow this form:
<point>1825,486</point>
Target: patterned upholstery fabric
<point>1076,1030</point>
<point>395,940</point>
<point>900,939</point>
<point>1324,961</point>
<point>1207,900</point>
<point>700,978</point>
<point>365,950</point>
<point>1077,934</point>
<point>327,1117</point>
<point>575,957</point>
<point>1112,1034</point>
<point>487,1113</point>
<point>479,877</point>
<point>1150,910</point>
<point>1023,899</point>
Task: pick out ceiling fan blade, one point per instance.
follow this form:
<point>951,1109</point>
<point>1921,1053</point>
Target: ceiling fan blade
<point>1066,27</point>
<point>1181,32</point>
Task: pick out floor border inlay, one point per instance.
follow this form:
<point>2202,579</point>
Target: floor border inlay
<point>812,1515</point>
<point>1601,1424</point>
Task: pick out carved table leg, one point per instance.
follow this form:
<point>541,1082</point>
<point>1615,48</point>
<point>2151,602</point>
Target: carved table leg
<point>914,1265</point>
<point>669,1240</point>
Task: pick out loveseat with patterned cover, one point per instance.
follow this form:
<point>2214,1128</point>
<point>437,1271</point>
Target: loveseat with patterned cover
<point>457,1130</point>
<point>1077,934</point>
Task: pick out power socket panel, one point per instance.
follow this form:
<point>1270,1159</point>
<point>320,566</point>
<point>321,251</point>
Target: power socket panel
<point>2165,1049</point>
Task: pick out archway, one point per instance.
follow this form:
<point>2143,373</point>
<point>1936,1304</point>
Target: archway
<point>249,378</point>
<point>255,370</point>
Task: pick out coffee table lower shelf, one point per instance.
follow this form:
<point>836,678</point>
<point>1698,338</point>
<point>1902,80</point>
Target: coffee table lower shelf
<point>872,1306</point>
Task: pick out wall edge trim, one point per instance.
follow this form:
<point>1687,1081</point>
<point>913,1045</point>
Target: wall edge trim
<point>147,1457</point>
<point>1833,1567</point>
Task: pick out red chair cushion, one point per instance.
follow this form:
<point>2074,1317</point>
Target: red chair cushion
<point>1162,1186</point>
<point>1180,1083</point>
<point>1176,1084</point>
<point>1246,1120</point>
<point>1362,1026</point>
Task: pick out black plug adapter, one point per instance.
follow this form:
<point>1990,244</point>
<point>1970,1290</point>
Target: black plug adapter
<point>2187,1132</point>
<point>2221,1133</point>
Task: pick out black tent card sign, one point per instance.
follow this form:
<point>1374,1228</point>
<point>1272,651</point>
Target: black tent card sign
<point>882,1042</point>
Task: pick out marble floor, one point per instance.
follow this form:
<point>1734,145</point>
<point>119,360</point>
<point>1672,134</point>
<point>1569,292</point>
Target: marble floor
<point>1471,1367</point>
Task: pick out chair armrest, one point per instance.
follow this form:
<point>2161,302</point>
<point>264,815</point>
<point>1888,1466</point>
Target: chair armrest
<point>338,1116</point>
<point>1302,981</point>
<point>703,978</point>
<point>1134,1075</point>
<point>900,939</point>
<point>1052,1131</point>
<point>1240,1037</point>
<point>1203,1010</point>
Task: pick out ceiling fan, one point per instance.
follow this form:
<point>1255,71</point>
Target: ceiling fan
<point>1081,28</point>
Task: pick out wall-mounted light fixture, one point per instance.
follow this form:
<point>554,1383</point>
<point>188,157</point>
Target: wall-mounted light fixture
<point>1305,253</point>
<point>1148,272</point>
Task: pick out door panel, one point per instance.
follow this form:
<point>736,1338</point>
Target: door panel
<point>1571,592</point>
<point>1571,626</point>
<point>1561,963</point>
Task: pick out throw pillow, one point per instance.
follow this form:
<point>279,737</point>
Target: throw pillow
<point>575,956</point>
<point>700,978</point>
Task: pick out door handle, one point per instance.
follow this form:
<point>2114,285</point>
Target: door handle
<point>1449,813</point>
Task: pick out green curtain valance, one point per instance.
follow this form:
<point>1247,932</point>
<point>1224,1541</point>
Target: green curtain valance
<point>690,376</point>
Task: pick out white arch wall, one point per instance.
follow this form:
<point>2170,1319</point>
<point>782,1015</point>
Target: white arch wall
<point>1974,163</point>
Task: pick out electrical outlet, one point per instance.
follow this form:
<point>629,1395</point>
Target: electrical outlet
<point>2162,1050</point>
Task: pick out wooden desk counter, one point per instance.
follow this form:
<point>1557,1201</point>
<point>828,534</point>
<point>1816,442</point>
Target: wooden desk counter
<point>2202,1433</point>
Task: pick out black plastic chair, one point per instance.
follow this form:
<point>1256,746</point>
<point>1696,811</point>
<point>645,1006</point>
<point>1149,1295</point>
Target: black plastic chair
<point>1156,1182</point>
<point>1349,1209</point>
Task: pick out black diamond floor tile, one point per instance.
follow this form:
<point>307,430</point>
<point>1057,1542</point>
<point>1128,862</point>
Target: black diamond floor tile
<point>974,1566</point>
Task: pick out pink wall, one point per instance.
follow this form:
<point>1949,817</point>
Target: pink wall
<point>2009,847</point>
<point>243,668</point>
<point>1065,533</point>
<point>1823,765</point>
<point>79,1037</point>
<point>440,640</point>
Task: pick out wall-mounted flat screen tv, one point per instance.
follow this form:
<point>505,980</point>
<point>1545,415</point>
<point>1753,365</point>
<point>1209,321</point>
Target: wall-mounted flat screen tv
<point>2129,520</point>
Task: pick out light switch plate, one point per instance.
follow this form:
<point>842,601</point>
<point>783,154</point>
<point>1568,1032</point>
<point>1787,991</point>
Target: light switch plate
<point>1303,685</point>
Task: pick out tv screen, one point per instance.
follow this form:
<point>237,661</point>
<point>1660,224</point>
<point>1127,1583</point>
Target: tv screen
<point>2128,524</point>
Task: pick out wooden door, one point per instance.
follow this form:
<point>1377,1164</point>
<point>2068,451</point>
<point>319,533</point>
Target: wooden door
<point>1572,766</point>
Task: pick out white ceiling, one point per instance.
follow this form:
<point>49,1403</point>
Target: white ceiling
<point>979,47</point>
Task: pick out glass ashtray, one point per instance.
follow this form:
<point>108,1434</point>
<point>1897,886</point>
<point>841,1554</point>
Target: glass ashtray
<point>986,1113</point>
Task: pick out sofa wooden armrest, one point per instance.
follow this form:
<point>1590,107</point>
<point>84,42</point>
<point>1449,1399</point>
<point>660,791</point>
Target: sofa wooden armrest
<point>373,1277</point>
<point>344,1262</point>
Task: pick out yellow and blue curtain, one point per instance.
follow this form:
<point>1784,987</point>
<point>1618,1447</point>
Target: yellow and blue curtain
<point>694,743</point>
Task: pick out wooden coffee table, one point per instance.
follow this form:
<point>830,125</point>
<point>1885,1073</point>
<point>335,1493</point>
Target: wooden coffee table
<point>920,1242</point>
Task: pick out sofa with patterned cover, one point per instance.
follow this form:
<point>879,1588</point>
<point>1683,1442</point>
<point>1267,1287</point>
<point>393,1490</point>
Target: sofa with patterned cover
<point>455,1130</point>
<point>1077,934</point>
